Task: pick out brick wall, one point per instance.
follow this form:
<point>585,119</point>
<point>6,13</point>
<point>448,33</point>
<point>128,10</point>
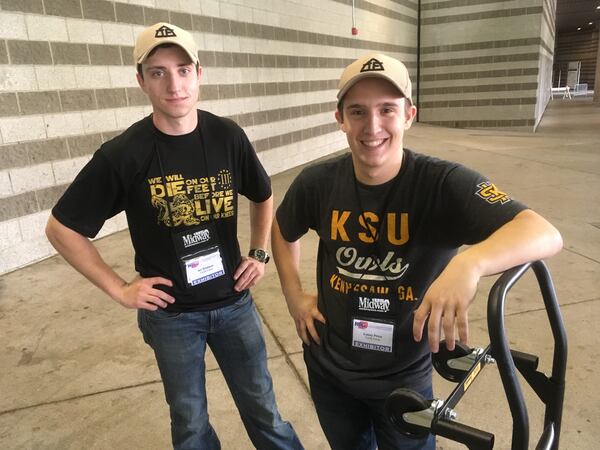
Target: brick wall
<point>67,83</point>
<point>546,52</point>
<point>480,62</point>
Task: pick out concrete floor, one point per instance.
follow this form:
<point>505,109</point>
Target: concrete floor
<point>75,374</point>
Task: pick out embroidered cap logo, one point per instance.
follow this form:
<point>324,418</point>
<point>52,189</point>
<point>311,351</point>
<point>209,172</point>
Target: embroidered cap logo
<point>164,32</point>
<point>372,65</point>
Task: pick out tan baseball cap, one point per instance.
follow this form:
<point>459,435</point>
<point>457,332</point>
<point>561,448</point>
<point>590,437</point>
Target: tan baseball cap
<point>376,65</point>
<point>163,33</point>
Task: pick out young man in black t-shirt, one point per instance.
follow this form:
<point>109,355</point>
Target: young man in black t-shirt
<point>177,174</point>
<point>390,222</point>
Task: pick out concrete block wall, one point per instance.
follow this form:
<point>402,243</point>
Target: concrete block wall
<point>577,46</point>
<point>480,62</point>
<point>67,83</point>
<point>547,36</point>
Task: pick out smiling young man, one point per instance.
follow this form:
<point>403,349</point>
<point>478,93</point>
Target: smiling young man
<point>389,278</point>
<point>177,174</point>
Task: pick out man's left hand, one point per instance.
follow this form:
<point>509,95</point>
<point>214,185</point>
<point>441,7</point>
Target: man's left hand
<point>248,273</point>
<point>446,303</point>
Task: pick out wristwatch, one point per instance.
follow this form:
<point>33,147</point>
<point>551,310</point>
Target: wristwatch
<point>259,254</point>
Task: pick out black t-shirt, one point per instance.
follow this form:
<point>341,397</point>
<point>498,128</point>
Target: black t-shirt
<point>172,189</point>
<point>380,248</point>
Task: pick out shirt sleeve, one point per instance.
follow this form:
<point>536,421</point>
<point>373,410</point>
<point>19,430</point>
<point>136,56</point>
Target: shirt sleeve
<point>295,214</point>
<point>95,195</point>
<point>256,184</point>
<point>476,207</point>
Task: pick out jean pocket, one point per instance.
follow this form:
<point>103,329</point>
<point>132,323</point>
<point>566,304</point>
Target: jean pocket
<point>246,298</point>
<point>161,314</point>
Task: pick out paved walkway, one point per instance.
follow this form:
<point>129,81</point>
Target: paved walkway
<point>75,374</point>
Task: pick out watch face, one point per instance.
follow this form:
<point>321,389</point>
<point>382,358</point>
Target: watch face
<point>260,255</point>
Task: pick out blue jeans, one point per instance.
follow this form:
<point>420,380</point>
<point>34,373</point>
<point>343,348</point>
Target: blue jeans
<point>234,334</point>
<point>350,423</point>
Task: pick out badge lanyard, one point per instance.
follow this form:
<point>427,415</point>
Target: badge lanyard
<point>388,329</point>
<point>388,197</point>
<point>162,173</point>
<point>370,334</point>
<point>164,178</point>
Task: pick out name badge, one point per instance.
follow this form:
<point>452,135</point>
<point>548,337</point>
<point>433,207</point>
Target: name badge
<point>204,266</point>
<point>372,335</point>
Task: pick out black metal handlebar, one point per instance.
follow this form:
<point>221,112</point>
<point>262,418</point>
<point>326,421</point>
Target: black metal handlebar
<point>473,438</point>
<point>550,390</point>
<point>415,416</point>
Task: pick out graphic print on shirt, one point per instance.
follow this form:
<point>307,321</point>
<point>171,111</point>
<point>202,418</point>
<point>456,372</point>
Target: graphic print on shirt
<point>370,277</point>
<point>192,201</point>
<point>491,194</point>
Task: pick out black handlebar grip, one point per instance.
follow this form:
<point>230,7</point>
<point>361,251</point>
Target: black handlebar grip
<point>473,438</point>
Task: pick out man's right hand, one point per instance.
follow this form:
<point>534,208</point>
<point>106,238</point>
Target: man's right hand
<point>141,294</point>
<point>304,311</point>
<point>83,255</point>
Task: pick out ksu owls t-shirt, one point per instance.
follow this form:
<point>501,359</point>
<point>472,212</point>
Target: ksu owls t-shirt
<point>380,248</point>
<point>171,185</point>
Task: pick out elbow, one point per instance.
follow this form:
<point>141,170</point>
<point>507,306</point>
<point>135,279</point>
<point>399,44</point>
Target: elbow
<point>550,242</point>
<point>50,230</point>
<point>275,238</point>
<point>55,232</point>
<point>545,237</point>
<point>555,241</point>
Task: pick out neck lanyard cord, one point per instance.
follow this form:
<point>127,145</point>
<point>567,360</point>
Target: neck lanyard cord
<point>388,196</point>
<point>162,173</point>
<point>164,178</point>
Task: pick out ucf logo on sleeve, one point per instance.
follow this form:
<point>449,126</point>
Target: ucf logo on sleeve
<point>490,193</point>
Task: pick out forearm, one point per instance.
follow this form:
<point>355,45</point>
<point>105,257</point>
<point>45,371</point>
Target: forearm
<point>528,237</point>
<point>302,306</point>
<point>261,215</point>
<point>80,253</point>
<point>287,260</point>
